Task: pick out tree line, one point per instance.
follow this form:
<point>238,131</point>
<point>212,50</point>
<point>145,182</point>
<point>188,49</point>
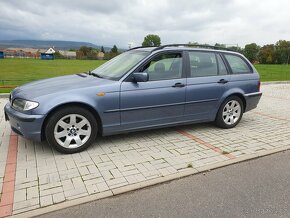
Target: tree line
<point>89,53</point>
<point>278,53</point>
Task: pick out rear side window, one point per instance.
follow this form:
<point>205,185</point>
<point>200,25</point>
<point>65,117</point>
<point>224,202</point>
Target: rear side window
<point>237,64</point>
<point>202,64</point>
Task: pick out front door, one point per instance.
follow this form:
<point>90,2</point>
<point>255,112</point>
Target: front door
<point>158,101</point>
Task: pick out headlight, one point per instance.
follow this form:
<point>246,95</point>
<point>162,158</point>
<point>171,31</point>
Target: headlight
<point>24,105</point>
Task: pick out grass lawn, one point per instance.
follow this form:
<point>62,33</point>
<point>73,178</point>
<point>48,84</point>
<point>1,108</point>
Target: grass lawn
<point>21,71</point>
<point>24,70</point>
<point>273,72</point>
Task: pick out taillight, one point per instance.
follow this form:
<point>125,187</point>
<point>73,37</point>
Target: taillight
<point>259,85</point>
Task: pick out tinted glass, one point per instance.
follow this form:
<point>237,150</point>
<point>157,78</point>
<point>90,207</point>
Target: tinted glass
<point>237,64</point>
<point>203,64</point>
<point>222,66</point>
<point>164,66</point>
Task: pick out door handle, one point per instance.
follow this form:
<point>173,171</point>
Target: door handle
<point>178,85</point>
<point>223,81</point>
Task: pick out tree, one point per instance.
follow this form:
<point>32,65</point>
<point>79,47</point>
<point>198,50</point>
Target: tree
<point>236,49</point>
<point>267,54</point>
<point>58,55</point>
<point>87,53</point>
<point>151,40</point>
<point>251,51</point>
<point>113,53</point>
<point>193,43</point>
<point>102,49</point>
<point>282,52</point>
<point>114,50</point>
<point>220,45</point>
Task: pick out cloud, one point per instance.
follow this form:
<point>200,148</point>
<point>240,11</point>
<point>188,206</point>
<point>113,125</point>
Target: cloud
<point>119,22</point>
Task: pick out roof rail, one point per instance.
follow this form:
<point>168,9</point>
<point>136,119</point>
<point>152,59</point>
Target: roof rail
<point>184,45</point>
<point>141,47</point>
<point>192,45</point>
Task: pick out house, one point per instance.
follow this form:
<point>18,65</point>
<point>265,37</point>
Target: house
<point>21,53</point>
<point>68,54</point>
<point>50,51</point>
<point>10,53</point>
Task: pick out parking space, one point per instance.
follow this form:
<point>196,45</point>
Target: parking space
<point>44,177</point>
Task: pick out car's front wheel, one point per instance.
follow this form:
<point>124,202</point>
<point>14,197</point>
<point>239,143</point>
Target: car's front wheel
<point>230,112</point>
<point>71,129</point>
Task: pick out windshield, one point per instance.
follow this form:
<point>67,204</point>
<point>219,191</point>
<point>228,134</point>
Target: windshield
<point>118,66</point>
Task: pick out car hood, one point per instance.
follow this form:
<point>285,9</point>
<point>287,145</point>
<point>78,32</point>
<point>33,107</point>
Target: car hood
<point>59,84</point>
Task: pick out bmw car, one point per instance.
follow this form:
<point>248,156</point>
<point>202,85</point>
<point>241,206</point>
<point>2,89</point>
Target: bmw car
<point>143,88</point>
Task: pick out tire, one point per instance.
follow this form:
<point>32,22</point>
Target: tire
<point>71,129</point>
<point>230,112</point>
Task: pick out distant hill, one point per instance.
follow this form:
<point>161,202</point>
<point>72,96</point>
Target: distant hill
<point>44,44</point>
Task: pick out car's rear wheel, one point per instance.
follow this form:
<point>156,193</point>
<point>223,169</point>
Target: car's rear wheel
<point>230,112</point>
<point>71,129</point>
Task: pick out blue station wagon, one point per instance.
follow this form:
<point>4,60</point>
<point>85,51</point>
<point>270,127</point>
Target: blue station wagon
<point>140,89</point>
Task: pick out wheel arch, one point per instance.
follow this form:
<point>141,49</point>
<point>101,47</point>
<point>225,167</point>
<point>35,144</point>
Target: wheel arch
<point>234,92</point>
<point>242,97</point>
<point>79,104</point>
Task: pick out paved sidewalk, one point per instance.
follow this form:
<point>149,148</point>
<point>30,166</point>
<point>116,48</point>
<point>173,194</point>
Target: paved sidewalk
<point>256,189</point>
<point>116,164</point>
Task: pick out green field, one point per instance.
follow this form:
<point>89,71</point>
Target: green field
<point>273,72</point>
<point>20,71</point>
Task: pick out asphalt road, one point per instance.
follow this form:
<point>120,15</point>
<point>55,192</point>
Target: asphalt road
<point>256,188</point>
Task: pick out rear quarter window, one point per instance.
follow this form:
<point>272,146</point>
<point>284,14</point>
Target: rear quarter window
<point>237,64</point>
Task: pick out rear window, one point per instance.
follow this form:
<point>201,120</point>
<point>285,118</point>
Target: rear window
<point>237,64</point>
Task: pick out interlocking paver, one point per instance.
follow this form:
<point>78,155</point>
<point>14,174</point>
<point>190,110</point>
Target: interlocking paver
<point>20,195</point>
<point>45,177</point>
<point>46,200</point>
<point>58,197</point>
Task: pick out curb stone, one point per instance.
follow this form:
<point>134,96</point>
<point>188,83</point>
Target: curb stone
<point>275,82</point>
<point>4,95</point>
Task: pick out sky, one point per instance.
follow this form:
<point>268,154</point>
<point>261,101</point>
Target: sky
<point>109,22</point>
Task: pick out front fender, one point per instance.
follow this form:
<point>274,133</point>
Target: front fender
<point>88,97</point>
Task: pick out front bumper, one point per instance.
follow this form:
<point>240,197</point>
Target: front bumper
<point>252,100</point>
<point>29,126</point>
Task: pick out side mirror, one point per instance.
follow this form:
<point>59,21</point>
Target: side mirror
<point>140,77</point>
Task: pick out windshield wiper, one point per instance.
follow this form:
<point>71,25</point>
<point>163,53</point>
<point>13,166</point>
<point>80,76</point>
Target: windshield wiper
<point>95,74</point>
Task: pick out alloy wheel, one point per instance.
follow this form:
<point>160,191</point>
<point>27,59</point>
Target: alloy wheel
<point>231,112</point>
<point>72,131</point>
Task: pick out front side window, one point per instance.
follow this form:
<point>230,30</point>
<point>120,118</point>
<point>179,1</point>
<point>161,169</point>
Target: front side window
<point>164,66</point>
<point>202,64</point>
<point>237,64</point>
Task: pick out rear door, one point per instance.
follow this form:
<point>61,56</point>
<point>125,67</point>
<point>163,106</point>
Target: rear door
<point>207,80</point>
<point>161,99</point>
